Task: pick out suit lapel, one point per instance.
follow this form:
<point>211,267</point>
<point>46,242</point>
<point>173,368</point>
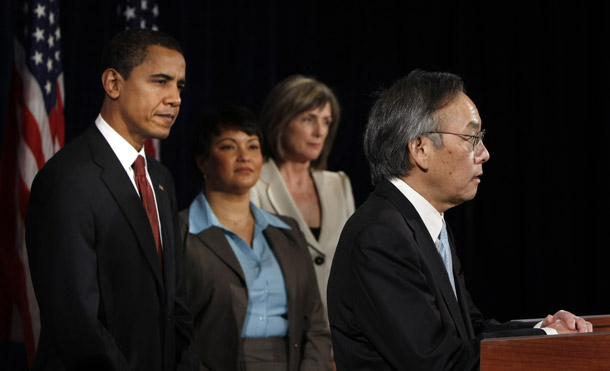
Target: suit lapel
<point>279,196</point>
<point>214,239</point>
<point>118,183</point>
<point>428,251</point>
<point>460,287</point>
<point>167,225</point>
<point>331,218</point>
<point>437,267</point>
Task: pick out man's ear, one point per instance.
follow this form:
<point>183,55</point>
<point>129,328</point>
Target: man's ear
<point>110,81</point>
<point>419,151</point>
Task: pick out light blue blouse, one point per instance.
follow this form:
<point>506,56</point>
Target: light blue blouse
<point>267,301</point>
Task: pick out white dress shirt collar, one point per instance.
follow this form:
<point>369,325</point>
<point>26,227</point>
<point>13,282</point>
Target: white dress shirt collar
<point>122,149</point>
<point>433,220</point>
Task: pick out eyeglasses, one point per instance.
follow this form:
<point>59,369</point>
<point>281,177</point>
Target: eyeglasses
<point>476,139</point>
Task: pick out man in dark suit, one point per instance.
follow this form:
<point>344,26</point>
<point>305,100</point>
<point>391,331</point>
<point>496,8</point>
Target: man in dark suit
<point>101,227</point>
<point>396,294</point>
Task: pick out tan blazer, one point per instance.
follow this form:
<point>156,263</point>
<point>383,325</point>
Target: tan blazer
<point>218,298</point>
<point>336,201</point>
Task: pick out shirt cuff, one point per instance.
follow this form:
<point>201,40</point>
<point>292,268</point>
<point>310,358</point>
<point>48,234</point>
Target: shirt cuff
<point>548,330</point>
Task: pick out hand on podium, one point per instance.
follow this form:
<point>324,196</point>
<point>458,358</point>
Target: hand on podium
<point>565,322</point>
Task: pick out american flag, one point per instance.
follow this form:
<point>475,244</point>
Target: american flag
<point>141,14</point>
<point>34,132</point>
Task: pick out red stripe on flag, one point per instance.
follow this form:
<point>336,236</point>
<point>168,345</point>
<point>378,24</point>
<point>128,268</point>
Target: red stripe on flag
<point>12,272</point>
<point>31,136</point>
<point>29,126</point>
<point>23,152</point>
<point>56,120</point>
<point>23,196</point>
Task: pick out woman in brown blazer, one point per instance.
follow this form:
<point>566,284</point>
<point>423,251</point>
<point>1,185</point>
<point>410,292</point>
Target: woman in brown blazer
<point>250,283</point>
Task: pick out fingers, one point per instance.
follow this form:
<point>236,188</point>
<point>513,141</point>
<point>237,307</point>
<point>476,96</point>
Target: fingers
<point>579,324</point>
<point>589,326</point>
<point>564,315</point>
<point>568,318</point>
<point>572,322</point>
<point>549,319</point>
<point>582,325</point>
<point>560,327</point>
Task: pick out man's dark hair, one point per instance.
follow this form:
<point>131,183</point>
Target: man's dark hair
<point>127,49</point>
<point>400,115</point>
<point>215,123</point>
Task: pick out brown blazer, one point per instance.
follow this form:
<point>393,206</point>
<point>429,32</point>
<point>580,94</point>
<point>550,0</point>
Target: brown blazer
<point>218,297</point>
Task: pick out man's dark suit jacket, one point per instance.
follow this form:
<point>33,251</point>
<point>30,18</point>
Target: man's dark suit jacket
<point>218,298</point>
<point>390,302</point>
<point>105,302</point>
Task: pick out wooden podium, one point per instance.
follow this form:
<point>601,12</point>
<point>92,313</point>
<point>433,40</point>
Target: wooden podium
<point>558,352</point>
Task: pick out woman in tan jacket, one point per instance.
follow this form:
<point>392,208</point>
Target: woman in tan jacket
<point>299,120</point>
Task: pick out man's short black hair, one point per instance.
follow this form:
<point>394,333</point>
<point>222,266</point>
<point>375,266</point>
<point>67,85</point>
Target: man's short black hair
<point>127,49</point>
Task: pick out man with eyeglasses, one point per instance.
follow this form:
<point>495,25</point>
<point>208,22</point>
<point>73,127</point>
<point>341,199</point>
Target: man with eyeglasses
<point>396,294</point>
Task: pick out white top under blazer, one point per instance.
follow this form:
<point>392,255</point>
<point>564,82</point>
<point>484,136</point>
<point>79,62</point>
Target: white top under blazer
<point>336,202</point>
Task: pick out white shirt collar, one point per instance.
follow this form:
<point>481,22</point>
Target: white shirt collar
<point>431,217</point>
<point>122,149</point>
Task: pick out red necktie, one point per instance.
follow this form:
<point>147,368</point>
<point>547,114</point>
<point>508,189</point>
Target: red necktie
<point>148,200</point>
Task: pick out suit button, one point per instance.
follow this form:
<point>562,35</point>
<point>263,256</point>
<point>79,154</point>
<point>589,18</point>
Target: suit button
<point>296,345</point>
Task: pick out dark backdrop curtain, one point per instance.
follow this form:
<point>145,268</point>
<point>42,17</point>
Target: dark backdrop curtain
<point>533,240</point>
